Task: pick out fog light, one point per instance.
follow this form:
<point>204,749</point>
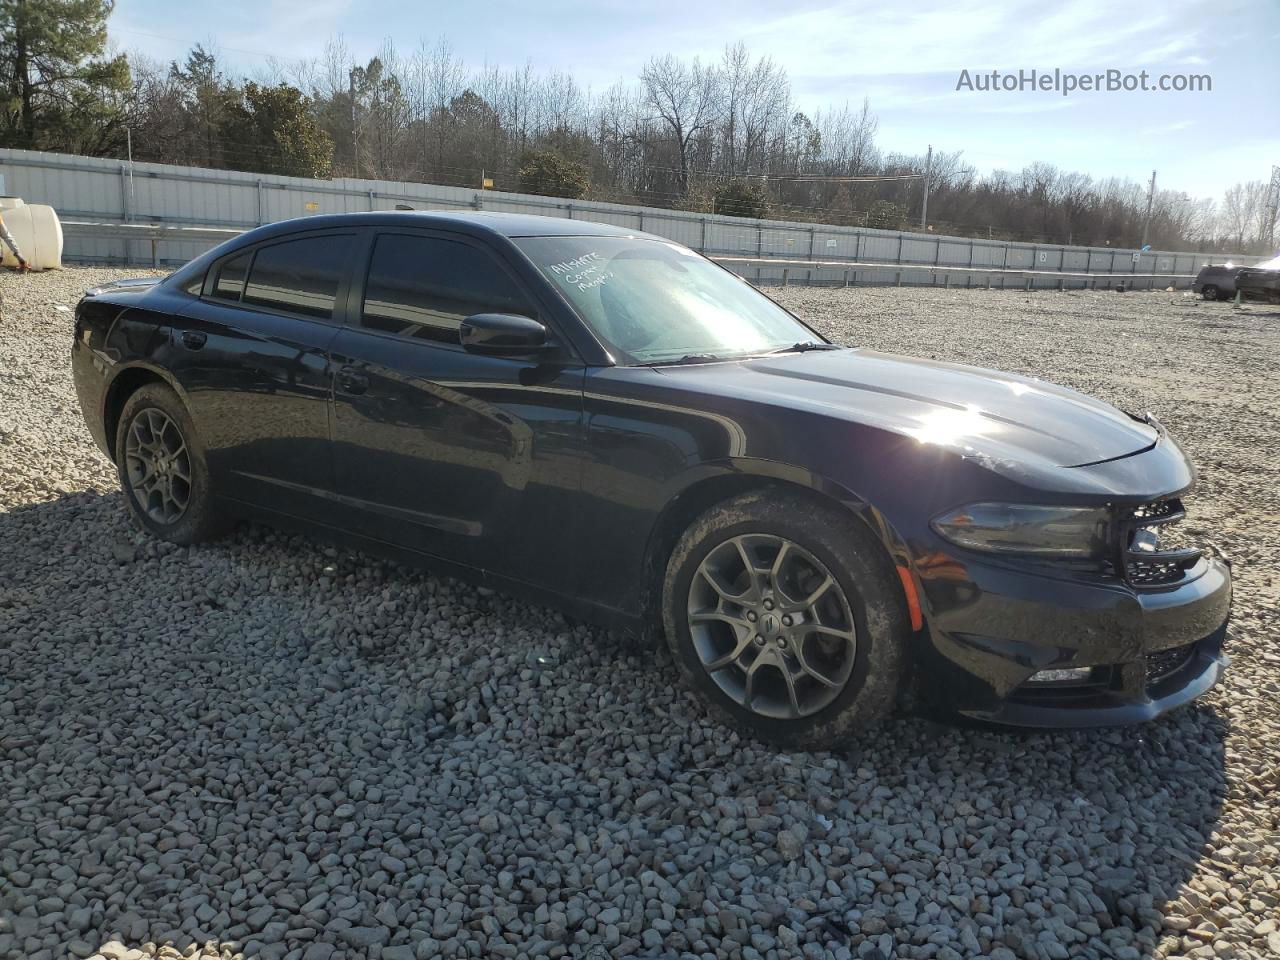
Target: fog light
<point>1145,540</point>
<point>1061,676</point>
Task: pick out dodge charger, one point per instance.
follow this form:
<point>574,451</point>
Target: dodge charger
<point>607,421</point>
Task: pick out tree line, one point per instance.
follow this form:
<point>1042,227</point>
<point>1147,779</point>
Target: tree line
<point>723,136</point>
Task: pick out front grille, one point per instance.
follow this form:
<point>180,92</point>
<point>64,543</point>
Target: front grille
<point>1163,663</point>
<point>1143,574</point>
<point>1151,551</point>
<point>1156,510</point>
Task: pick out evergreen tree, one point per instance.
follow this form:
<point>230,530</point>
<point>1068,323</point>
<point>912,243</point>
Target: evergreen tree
<point>60,92</point>
<point>282,132</point>
<point>548,174</point>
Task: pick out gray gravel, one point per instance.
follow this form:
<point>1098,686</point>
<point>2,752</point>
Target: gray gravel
<point>269,747</point>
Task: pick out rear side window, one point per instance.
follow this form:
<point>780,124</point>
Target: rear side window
<point>229,284</point>
<point>423,287</point>
<point>301,276</point>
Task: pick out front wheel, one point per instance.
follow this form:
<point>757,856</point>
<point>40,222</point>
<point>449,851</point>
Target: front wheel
<point>1210,292</point>
<point>162,468</point>
<point>787,618</point>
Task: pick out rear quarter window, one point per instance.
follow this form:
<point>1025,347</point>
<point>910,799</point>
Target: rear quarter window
<point>228,282</point>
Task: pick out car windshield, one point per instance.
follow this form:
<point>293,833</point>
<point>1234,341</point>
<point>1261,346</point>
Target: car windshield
<point>653,302</point>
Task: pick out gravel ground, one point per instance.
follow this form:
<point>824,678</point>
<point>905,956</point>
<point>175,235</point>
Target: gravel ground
<point>268,747</point>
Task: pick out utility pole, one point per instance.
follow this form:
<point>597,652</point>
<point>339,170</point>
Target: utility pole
<point>1146,221</point>
<point>128,133</point>
<point>924,207</point>
<point>355,126</point>
<point>1273,206</point>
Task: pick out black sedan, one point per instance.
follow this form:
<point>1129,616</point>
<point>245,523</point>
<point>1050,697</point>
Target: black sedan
<point>1260,281</point>
<point>611,422</point>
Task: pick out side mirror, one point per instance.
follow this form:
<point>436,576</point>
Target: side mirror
<point>503,335</point>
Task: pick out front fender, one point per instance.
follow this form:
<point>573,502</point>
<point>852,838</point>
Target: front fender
<point>708,483</point>
<point>688,485</point>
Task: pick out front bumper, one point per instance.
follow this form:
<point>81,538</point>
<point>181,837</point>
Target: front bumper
<point>991,628</point>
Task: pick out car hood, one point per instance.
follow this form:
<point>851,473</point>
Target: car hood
<point>980,413</point>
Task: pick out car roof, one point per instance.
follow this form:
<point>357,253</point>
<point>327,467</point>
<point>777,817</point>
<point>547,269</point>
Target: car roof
<point>485,225</point>
<point>476,223</point>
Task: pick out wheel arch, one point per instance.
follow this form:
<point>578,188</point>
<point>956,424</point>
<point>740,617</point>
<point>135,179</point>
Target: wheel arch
<point>740,477</point>
<point>126,382</point>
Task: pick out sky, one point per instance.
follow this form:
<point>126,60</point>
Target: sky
<point>906,57</point>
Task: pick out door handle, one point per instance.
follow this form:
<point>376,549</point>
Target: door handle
<point>352,381</point>
<point>194,339</point>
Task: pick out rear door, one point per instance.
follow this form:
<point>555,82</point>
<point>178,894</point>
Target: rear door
<point>252,354</point>
<point>471,458</point>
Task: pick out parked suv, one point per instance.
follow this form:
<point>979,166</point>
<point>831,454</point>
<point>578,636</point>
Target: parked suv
<point>1216,282</point>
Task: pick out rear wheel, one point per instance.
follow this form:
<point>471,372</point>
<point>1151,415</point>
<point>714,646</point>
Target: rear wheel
<point>1210,292</point>
<point>162,468</point>
<point>787,619</point>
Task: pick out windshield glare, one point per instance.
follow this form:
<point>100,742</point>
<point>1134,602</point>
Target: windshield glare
<point>651,301</point>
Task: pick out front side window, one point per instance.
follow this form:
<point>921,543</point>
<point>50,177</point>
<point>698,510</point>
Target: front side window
<point>652,301</point>
<point>424,287</point>
<point>300,276</point>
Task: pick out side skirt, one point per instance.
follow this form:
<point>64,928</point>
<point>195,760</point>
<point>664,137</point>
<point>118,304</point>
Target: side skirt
<point>597,614</point>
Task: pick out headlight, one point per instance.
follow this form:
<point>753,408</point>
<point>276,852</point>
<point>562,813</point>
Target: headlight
<point>1025,528</point>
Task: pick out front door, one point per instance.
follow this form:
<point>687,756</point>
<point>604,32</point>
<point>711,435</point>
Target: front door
<point>470,458</point>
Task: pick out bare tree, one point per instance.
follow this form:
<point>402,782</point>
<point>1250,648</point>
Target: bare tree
<point>1202,219</point>
<point>685,97</point>
<point>1237,213</point>
<point>735,68</point>
<point>1255,201</point>
<point>437,77</point>
<point>1075,196</point>
<point>558,100</point>
<point>380,112</point>
<point>1039,182</point>
<point>848,138</point>
<point>764,107</point>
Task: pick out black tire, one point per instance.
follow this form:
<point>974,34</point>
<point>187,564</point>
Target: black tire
<point>198,519</point>
<point>1210,292</point>
<point>858,565</point>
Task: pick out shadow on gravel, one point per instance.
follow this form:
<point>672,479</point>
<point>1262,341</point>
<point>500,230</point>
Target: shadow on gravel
<point>1130,810</point>
<point>192,748</point>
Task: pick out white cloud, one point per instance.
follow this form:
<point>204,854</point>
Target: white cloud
<point>1166,128</point>
<point>929,36</point>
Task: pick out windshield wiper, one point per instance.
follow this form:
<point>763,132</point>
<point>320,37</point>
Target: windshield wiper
<point>804,346</point>
<point>687,358</point>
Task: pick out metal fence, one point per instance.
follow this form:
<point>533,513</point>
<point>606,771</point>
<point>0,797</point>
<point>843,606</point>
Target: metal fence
<point>158,214</point>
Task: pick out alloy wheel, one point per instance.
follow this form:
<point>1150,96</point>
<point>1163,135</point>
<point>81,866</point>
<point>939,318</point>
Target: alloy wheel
<point>158,466</point>
<point>771,626</point>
